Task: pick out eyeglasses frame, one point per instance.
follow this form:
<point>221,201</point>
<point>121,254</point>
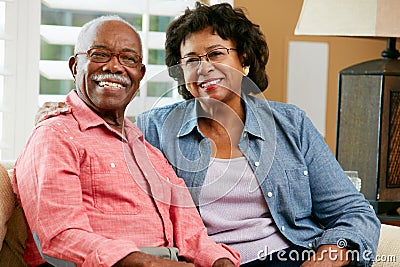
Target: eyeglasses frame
<point>206,55</point>
<point>87,53</point>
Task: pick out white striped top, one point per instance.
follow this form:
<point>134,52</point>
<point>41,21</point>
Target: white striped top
<point>234,210</point>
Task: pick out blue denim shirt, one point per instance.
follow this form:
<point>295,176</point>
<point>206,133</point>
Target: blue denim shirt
<point>310,198</point>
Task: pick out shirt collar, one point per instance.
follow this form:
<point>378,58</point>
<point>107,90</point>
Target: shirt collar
<point>190,118</point>
<point>253,124</point>
<point>87,118</point>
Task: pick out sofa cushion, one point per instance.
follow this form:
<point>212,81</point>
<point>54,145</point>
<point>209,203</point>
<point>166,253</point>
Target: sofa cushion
<point>13,230</point>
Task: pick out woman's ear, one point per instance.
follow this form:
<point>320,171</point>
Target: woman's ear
<point>243,60</point>
<point>72,66</point>
<point>245,64</point>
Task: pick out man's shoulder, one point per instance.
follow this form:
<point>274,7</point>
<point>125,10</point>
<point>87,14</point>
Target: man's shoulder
<point>58,121</point>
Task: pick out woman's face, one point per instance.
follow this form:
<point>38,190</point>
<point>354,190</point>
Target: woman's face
<point>219,78</point>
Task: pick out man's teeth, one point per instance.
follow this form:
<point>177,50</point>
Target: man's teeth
<point>110,84</point>
<point>204,85</point>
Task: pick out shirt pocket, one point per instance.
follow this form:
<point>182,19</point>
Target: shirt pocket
<point>300,192</point>
<point>114,189</point>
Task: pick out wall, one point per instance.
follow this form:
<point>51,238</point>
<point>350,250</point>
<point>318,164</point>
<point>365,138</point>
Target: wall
<point>277,20</point>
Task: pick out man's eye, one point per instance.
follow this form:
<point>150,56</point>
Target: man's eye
<point>99,54</point>
<point>130,58</point>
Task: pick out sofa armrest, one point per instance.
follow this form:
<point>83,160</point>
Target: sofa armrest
<point>7,202</point>
<point>13,229</point>
<point>388,253</point>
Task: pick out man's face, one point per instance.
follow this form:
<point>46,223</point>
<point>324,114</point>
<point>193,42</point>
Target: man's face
<point>108,86</point>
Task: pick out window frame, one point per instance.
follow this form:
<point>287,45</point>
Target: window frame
<point>21,82</point>
<point>21,98</point>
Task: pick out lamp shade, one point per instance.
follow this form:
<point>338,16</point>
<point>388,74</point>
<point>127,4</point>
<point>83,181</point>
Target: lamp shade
<point>375,18</point>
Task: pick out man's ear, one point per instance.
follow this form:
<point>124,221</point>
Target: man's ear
<point>142,70</point>
<point>72,65</point>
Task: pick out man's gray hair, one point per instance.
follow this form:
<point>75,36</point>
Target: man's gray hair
<point>80,41</point>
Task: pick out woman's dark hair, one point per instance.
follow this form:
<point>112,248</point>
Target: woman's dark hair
<point>230,24</point>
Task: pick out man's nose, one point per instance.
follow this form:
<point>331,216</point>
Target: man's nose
<point>113,65</point>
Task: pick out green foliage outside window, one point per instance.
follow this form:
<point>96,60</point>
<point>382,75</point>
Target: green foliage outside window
<point>160,89</point>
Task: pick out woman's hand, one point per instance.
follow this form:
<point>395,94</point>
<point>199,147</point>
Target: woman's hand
<point>51,109</point>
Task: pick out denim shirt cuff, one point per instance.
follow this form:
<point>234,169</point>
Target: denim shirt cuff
<point>363,254</point>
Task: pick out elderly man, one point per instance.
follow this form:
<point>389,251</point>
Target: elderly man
<point>92,189</point>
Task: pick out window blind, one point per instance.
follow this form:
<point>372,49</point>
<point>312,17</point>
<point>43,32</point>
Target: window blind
<point>19,58</point>
<point>34,53</point>
<point>150,17</point>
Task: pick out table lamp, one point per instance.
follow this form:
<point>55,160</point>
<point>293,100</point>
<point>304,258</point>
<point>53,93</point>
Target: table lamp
<point>368,119</point>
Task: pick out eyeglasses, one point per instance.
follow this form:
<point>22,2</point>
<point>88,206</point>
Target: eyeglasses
<point>102,55</point>
<point>216,55</point>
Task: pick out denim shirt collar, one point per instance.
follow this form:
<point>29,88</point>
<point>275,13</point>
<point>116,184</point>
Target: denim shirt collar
<point>189,122</point>
<point>252,124</point>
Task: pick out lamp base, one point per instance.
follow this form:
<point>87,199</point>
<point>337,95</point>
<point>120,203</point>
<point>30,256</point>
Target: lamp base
<point>368,128</point>
<point>391,51</point>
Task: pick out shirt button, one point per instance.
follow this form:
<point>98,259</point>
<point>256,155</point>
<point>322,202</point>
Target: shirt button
<point>257,163</point>
<point>305,173</point>
<point>112,164</point>
<point>65,131</point>
<point>269,194</point>
<point>310,245</point>
<point>71,137</point>
<point>283,228</point>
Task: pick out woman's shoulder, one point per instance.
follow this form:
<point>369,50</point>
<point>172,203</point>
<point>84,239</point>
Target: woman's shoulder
<point>285,108</point>
<point>276,107</point>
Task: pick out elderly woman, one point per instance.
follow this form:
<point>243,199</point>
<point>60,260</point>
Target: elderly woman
<point>263,178</point>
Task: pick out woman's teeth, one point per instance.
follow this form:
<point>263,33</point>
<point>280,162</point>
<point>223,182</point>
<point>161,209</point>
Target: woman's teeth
<point>110,84</point>
<point>204,85</point>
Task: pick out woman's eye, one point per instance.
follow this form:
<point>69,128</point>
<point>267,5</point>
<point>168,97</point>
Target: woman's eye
<point>214,54</point>
<point>192,60</point>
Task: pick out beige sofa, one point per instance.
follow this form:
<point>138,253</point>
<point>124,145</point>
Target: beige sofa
<point>13,232</point>
<point>12,223</point>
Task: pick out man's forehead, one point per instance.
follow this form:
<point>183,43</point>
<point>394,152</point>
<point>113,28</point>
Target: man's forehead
<point>109,30</point>
<point>118,25</point>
